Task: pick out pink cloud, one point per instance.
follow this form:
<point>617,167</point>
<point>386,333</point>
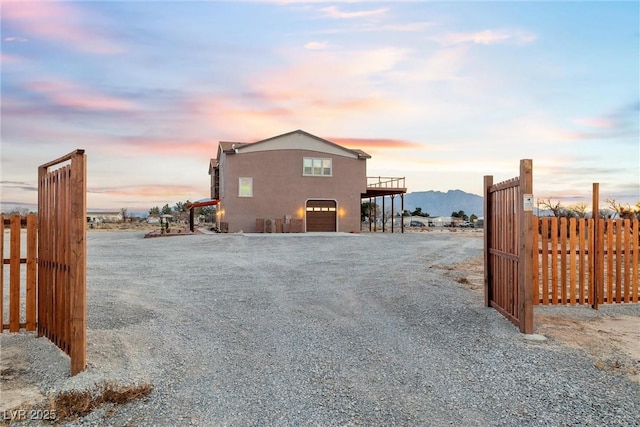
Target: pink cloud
<point>597,122</point>
<point>7,58</point>
<point>375,143</point>
<point>316,45</point>
<point>68,94</point>
<point>169,146</point>
<point>412,27</point>
<point>486,37</point>
<point>156,191</point>
<point>58,22</point>
<point>305,94</point>
<point>335,12</point>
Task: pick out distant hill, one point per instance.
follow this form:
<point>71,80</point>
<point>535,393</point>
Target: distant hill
<point>437,203</point>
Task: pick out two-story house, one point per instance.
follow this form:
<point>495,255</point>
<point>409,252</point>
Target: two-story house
<point>297,181</point>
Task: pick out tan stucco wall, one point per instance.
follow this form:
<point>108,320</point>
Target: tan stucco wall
<point>280,189</point>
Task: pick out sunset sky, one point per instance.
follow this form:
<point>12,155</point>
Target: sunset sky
<point>441,93</point>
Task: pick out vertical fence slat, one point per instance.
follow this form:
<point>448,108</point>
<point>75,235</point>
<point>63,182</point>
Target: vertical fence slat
<point>58,294</point>
<point>545,261</point>
<point>536,262</point>
<point>635,234</point>
<point>582,251</point>
<point>600,261</point>
<point>66,259</point>
<point>14,275</point>
<point>618,252</point>
<point>591,261</point>
<point>572,260</point>
<point>2,274</point>
<point>563,260</point>
<point>627,260</point>
<point>31,277</point>
<point>59,280</point>
<point>42,236</point>
<point>610,289</point>
<point>554,260</point>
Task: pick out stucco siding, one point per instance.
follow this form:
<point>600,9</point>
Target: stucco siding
<point>280,189</point>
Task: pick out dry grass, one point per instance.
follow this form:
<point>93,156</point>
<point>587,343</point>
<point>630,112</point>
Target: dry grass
<point>72,404</point>
<point>463,280</point>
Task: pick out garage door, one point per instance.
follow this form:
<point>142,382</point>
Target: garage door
<point>321,215</point>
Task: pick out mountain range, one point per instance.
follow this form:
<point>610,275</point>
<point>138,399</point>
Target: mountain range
<point>437,203</point>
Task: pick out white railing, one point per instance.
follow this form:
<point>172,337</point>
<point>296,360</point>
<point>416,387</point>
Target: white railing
<point>385,182</point>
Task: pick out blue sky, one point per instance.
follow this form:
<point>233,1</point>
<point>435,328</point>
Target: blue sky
<point>442,93</point>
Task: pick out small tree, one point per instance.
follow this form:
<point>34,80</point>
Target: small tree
<point>166,210</point>
<point>180,207</point>
<point>579,210</point>
<point>209,213</point>
<point>368,209</point>
<point>624,212</point>
<point>460,214</point>
<point>555,208</point>
<point>23,212</point>
<point>418,212</point>
<point>154,211</point>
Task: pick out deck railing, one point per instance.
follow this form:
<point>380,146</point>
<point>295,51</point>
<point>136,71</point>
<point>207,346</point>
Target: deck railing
<point>385,182</point>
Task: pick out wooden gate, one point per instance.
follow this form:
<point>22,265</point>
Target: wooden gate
<point>508,211</point>
<point>62,261</point>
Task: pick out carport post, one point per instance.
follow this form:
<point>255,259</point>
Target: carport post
<point>392,212</point>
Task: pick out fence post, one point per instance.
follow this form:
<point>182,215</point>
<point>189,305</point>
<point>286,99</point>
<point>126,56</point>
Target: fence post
<point>488,182</point>
<point>78,274</point>
<point>525,255</point>
<point>595,214</point>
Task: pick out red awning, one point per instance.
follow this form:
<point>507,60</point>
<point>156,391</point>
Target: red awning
<point>201,204</point>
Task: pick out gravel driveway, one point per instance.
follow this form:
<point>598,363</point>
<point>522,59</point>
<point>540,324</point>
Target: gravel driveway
<point>309,329</point>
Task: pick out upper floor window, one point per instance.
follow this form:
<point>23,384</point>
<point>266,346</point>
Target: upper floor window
<point>316,167</point>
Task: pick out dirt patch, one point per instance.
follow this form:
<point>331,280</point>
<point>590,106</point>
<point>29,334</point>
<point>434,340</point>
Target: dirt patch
<point>16,393</point>
<point>612,342</point>
<point>470,273</point>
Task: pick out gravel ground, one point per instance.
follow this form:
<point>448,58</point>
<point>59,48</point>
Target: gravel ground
<point>320,329</point>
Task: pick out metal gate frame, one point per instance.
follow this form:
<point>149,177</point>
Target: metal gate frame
<point>508,214</point>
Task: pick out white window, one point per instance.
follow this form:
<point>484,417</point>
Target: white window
<point>316,167</point>
<point>245,187</point>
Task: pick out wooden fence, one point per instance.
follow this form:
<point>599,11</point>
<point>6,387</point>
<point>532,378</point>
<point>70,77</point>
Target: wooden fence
<point>508,256</point>
<point>21,296</point>
<point>581,261</point>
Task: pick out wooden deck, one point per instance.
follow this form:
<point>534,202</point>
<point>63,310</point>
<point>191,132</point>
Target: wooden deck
<point>380,186</point>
